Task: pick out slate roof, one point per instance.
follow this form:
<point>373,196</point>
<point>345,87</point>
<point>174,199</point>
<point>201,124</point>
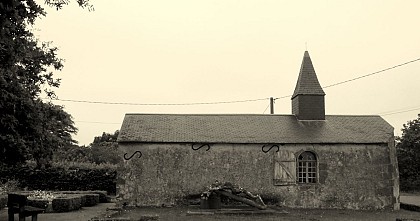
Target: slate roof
<point>248,128</point>
<point>307,83</point>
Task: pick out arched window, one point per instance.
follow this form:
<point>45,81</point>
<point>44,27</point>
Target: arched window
<point>306,168</point>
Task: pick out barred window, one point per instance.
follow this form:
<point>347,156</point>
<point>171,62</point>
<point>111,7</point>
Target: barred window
<point>306,168</point>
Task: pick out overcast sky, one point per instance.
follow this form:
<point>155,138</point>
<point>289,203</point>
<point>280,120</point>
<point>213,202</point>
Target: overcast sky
<point>190,51</point>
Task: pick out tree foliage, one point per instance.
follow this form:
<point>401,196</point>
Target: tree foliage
<point>408,152</point>
<point>29,127</point>
<point>103,150</point>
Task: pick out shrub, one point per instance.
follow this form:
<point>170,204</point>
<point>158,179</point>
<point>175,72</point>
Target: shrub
<point>64,176</point>
<point>92,199</point>
<point>67,203</point>
<point>8,186</point>
<point>101,194</point>
<point>40,204</point>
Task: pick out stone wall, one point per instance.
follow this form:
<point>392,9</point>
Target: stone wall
<point>351,176</point>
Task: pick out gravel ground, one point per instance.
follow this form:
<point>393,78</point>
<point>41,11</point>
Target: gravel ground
<point>181,213</point>
<point>178,214</point>
<point>84,214</point>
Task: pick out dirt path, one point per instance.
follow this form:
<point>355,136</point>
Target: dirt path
<point>180,214</point>
<point>84,214</point>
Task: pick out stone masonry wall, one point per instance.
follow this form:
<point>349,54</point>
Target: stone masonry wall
<point>351,176</point>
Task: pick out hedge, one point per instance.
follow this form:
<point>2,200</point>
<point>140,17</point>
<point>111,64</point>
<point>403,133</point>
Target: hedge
<point>102,195</point>
<point>67,203</point>
<point>58,178</point>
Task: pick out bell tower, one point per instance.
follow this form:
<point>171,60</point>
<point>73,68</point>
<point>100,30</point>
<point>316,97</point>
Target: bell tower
<point>308,98</point>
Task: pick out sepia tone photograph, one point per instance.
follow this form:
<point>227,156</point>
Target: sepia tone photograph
<point>190,110</point>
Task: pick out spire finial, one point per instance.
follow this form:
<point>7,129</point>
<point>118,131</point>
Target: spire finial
<point>306,46</point>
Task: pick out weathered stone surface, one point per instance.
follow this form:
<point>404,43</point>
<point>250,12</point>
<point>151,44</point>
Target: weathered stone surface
<point>351,176</point>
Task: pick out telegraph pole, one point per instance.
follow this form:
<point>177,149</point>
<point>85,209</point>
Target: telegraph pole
<point>271,105</point>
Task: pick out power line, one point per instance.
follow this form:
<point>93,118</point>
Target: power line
<point>159,104</point>
<point>376,72</point>
<point>266,108</point>
<point>399,112</point>
<point>363,76</point>
<point>227,102</point>
<point>95,122</point>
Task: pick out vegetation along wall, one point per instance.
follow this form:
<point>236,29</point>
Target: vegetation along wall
<point>351,176</point>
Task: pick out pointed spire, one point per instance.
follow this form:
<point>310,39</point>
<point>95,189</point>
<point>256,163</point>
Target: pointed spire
<point>308,101</point>
<point>307,83</point>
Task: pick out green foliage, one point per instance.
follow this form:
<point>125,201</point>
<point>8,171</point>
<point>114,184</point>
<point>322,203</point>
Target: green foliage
<point>63,176</point>
<point>58,4</point>
<point>73,153</point>
<point>8,186</point>
<point>43,195</point>
<point>67,204</point>
<point>31,129</point>
<point>103,150</point>
<point>106,137</point>
<point>408,152</point>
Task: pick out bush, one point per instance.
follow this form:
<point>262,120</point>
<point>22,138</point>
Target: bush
<point>64,176</point>
<point>66,204</point>
<point>102,195</point>
<point>92,199</point>
<point>39,203</point>
<point>8,186</point>
<point>104,149</point>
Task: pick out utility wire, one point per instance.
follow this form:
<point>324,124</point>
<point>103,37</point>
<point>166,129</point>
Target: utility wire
<point>95,122</point>
<point>399,112</point>
<point>363,76</point>
<point>266,108</point>
<point>376,72</point>
<point>229,102</point>
<point>387,113</point>
<point>160,104</point>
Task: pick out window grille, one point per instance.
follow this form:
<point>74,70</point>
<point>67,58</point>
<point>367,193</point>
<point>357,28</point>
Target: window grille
<point>307,168</point>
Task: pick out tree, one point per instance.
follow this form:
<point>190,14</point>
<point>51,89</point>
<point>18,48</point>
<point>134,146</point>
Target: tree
<point>105,148</point>
<point>106,137</point>
<point>408,152</point>
<point>29,127</point>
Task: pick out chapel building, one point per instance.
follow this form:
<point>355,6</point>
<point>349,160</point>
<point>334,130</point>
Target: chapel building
<point>306,159</point>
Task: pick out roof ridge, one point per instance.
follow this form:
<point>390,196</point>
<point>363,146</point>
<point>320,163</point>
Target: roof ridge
<point>268,115</point>
<point>353,115</point>
<point>178,114</point>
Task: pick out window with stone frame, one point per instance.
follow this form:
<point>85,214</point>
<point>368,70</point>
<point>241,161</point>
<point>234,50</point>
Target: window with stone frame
<point>306,168</point>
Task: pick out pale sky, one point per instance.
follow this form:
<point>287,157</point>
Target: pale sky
<point>192,51</point>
